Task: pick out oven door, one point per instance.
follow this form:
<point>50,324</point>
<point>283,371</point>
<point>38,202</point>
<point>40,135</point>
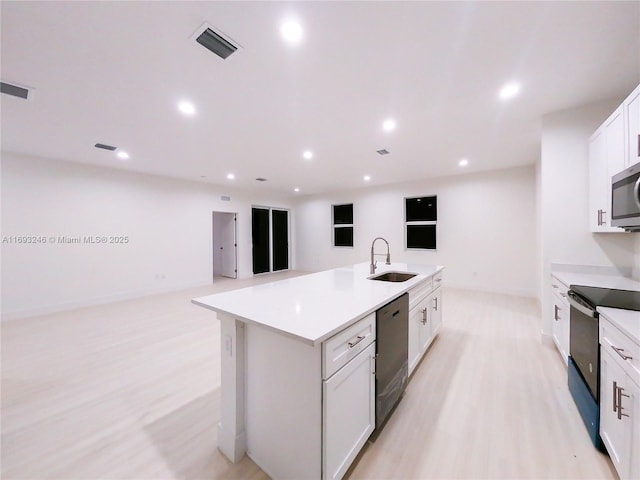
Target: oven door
<point>583,342</point>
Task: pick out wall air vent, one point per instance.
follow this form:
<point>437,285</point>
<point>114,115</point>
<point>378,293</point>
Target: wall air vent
<point>105,147</point>
<point>384,151</point>
<point>15,90</point>
<point>215,41</point>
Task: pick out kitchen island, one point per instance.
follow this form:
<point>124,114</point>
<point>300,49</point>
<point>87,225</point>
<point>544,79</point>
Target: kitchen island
<point>283,363</point>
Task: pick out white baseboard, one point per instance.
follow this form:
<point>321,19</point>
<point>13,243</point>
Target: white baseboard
<point>95,301</point>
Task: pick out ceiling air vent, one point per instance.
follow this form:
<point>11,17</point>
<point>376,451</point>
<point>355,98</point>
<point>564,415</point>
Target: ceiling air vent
<point>260,179</point>
<point>15,90</point>
<point>215,41</point>
<point>384,151</point>
<point>105,147</point>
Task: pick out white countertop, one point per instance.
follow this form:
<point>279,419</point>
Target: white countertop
<point>626,320</point>
<point>596,280</point>
<point>314,307</point>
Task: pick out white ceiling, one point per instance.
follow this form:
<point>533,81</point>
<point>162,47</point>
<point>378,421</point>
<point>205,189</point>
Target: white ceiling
<point>113,72</point>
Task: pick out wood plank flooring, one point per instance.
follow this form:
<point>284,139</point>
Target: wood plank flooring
<point>130,390</point>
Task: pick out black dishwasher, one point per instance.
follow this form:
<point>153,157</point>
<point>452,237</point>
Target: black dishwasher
<point>392,356</point>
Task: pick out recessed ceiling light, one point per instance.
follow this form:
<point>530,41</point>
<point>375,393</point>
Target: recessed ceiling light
<point>230,176</point>
<point>291,31</point>
<point>187,108</point>
<point>389,125</point>
<point>508,91</point>
<point>464,162</point>
<point>366,178</point>
<point>308,154</point>
<point>123,155</point>
<point>296,190</point>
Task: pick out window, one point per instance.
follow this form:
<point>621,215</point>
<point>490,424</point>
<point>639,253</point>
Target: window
<point>421,218</point>
<point>343,225</point>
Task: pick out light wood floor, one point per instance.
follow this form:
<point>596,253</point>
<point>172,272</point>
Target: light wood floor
<point>131,391</point>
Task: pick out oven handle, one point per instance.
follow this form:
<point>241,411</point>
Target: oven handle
<point>574,301</point>
<point>636,192</point>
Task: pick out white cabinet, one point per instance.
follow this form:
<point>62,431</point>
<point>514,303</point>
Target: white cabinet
<point>435,305</point>
<point>620,399</point>
<point>614,146</point>
<point>599,189</point>
<point>631,107</point>
<point>560,318</point>
<point>348,412</point>
<point>425,318</point>
<point>419,332</point>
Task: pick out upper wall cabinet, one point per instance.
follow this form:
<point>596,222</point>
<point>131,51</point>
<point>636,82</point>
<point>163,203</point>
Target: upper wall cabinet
<point>631,108</point>
<point>614,146</point>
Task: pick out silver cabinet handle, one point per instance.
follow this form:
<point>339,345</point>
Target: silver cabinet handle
<point>615,396</point>
<point>636,193</point>
<point>601,220</point>
<point>424,316</point>
<point>555,313</point>
<point>435,304</point>
<point>563,295</point>
<point>620,407</point>
<point>619,352</point>
<point>358,340</point>
<point>554,286</point>
<point>438,280</point>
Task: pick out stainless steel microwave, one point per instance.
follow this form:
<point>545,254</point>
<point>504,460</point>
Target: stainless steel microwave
<point>625,199</point>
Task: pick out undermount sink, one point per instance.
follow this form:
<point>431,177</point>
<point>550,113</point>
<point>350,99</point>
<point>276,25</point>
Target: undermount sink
<point>393,276</point>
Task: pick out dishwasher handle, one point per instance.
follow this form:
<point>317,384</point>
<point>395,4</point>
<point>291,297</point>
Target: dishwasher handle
<point>579,304</point>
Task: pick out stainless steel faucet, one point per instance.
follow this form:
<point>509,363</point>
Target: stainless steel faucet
<point>372,267</point>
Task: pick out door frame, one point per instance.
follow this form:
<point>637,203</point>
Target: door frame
<point>215,251</point>
<point>271,209</point>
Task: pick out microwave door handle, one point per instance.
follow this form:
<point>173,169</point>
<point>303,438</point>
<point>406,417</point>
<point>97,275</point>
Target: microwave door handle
<point>636,192</point>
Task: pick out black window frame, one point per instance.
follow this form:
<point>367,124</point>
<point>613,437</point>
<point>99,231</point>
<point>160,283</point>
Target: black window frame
<point>427,229</point>
<point>342,227</point>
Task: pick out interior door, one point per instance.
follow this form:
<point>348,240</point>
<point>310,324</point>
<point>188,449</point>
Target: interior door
<point>260,235</point>
<point>228,247</point>
<point>280,239</point>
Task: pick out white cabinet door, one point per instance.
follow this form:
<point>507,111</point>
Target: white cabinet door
<point>349,415</point>
<point>615,133</point>
<point>599,186</point>
<point>435,304</point>
<point>632,119</point>
<point>419,331</point>
<point>560,325</point>
<point>425,325</point>
<point>615,428</point>
<point>634,419</point>
<point>415,319</point>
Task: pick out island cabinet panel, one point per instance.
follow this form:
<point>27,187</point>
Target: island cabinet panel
<point>283,404</point>
<point>425,318</point>
<point>435,306</point>
<point>349,413</point>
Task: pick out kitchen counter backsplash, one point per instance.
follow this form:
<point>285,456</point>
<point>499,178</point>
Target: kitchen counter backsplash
<point>589,275</point>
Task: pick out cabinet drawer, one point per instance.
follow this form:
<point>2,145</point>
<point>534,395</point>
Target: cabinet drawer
<point>344,346</point>
<point>621,348</point>
<point>559,288</point>
<point>419,292</point>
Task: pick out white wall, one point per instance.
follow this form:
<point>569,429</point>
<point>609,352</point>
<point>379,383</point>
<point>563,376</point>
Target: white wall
<point>486,228</point>
<point>168,223</point>
<point>564,199</point>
